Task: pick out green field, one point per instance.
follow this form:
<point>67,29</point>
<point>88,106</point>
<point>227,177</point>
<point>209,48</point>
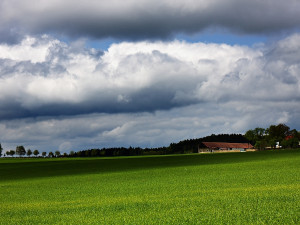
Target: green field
<point>223,188</point>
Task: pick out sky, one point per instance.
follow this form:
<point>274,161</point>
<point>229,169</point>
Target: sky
<point>80,74</point>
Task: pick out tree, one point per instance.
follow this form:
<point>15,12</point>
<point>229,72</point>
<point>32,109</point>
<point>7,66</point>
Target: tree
<point>259,132</point>
<point>50,154</point>
<point>278,132</point>
<point>72,153</point>
<point>295,134</point>
<point>87,153</point>
<point>290,143</point>
<point>272,142</point>
<point>11,153</point>
<point>95,152</point>
<point>255,135</point>
<point>44,154</point>
<point>36,152</point>
<point>261,145</point>
<point>29,152</point>
<point>57,153</point>
<point>1,150</point>
<point>250,136</point>
<point>20,150</point>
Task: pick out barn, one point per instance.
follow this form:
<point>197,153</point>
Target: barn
<point>225,146</point>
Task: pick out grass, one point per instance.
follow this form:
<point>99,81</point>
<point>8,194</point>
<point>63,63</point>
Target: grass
<point>225,188</point>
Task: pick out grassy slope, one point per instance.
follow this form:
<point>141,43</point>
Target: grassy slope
<point>231,188</point>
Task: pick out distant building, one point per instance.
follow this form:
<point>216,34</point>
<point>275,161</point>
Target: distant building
<point>288,137</point>
<point>224,146</point>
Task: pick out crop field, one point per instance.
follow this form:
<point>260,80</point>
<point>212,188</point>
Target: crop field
<point>222,188</point>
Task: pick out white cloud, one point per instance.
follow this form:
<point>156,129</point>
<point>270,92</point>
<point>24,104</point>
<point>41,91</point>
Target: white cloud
<point>128,77</point>
<point>28,49</point>
<point>145,93</point>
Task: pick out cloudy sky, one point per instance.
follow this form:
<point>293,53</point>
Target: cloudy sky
<point>80,74</point>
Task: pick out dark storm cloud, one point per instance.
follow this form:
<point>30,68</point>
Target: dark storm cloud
<point>142,19</point>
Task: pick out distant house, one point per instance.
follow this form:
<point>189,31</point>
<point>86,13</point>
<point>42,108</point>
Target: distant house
<point>288,137</point>
<point>225,146</point>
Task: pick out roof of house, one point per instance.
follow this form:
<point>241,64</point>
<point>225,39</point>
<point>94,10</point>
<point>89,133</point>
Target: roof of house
<point>227,145</point>
<point>288,137</point>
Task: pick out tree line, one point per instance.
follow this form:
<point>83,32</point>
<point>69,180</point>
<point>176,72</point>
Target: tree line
<point>182,147</point>
<point>274,136</point>
<point>21,152</point>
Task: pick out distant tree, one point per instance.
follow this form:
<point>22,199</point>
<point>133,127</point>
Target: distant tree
<point>80,154</point>
<point>250,136</point>
<point>44,154</point>
<point>255,135</point>
<point>36,152</point>
<point>261,137</point>
<point>295,134</point>
<point>20,150</point>
<point>57,153</point>
<point>259,133</point>
<point>290,143</point>
<point>295,142</point>
<point>278,132</point>
<point>95,152</point>
<point>72,153</point>
<point>50,154</point>
<point>272,142</point>
<point>87,153</point>
<point>1,150</point>
<point>11,153</point>
<point>29,152</point>
<point>260,145</point>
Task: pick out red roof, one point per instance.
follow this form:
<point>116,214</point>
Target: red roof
<point>227,145</point>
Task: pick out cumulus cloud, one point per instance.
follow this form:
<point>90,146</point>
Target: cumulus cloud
<point>129,77</point>
<point>59,79</point>
<point>143,19</point>
<point>144,93</point>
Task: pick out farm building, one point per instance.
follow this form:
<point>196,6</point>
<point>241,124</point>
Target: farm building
<point>224,146</point>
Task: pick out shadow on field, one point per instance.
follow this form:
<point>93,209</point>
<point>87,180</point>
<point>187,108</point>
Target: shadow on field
<point>15,169</point>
